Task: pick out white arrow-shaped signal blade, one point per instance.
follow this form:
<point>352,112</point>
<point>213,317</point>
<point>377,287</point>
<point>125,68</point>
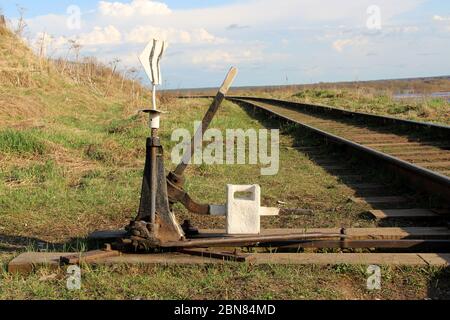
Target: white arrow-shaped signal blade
<point>151,60</point>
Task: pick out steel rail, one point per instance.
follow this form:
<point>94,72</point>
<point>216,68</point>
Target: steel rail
<point>340,111</point>
<point>445,129</point>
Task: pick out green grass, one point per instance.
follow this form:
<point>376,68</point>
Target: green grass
<point>38,173</point>
<point>53,198</point>
<point>20,142</point>
<point>222,282</point>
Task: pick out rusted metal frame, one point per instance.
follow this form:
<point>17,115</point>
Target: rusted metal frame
<point>162,225</point>
<point>177,194</point>
<point>423,179</point>
<point>247,240</point>
<point>89,257</point>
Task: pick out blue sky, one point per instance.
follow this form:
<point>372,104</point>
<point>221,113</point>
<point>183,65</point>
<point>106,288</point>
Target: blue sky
<point>270,41</point>
<point>44,7</point>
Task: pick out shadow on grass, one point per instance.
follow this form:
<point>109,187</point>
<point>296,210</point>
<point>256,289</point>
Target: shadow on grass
<point>439,284</point>
<point>10,244</point>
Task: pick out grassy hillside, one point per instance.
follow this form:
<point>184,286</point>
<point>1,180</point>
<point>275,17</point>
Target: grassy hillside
<point>71,161</point>
<point>60,129</point>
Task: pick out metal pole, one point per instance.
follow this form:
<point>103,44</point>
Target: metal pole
<point>154,149</point>
<point>154,177</point>
<point>154,97</point>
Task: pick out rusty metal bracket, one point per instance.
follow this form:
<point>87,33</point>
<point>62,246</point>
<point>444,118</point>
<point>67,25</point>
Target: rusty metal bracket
<point>89,257</point>
<point>177,194</point>
<point>151,230</point>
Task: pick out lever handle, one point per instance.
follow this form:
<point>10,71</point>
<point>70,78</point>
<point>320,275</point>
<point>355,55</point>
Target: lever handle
<point>207,119</point>
<point>226,85</point>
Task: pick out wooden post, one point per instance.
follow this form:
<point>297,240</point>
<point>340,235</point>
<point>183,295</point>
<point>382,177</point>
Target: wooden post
<point>2,21</point>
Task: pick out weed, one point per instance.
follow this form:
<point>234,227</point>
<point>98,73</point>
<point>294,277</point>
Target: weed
<point>37,173</point>
<point>20,142</point>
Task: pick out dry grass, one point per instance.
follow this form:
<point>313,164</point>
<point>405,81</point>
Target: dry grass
<point>32,86</point>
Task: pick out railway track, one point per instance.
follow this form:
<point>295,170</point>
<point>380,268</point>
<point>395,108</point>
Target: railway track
<point>417,152</point>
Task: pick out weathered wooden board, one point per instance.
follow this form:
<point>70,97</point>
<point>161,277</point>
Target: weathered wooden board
<point>380,200</point>
<point>426,158</point>
<point>403,213</point>
<point>28,262</point>
<point>407,144</point>
<point>399,233</point>
<point>437,165</point>
<point>400,259</point>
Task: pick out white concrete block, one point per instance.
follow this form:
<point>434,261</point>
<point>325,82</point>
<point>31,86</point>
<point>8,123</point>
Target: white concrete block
<point>269,212</point>
<point>243,215</point>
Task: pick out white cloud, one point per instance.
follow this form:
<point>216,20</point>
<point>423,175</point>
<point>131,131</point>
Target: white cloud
<point>404,29</point>
<point>101,36</point>
<point>142,34</point>
<point>293,13</point>
<point>440,18</point>
<point>443,21</point>
<point>136,7</point>
<point>340,44</point>
<point>215,57</point>
<point>203,36</point>
<point>45,44</point>
<point>98,36</point>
